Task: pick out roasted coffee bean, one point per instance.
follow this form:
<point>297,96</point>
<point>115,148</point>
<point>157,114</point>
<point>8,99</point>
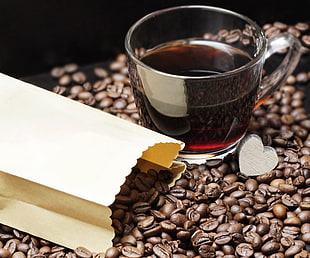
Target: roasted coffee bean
<point>57,72</point>
<point>291,231</point>
<point>161,250</point>
<point>244,249</point>
<point>131,252</point>
<point>100,72</point>
<point>120,103</point>
<point>206,251</point>
<point>65,80</point>
<point>154,230</point>
<point>209,225</point>
<point>279,210</point>
<point>305,228</point>
<point>222,238</point>
<point>23,247</point>
<point>193,214</point>
<point>292,250</point>
<point>304,216</point>
<point>59,90</point>
<point>79,77</point>
<point>161,187</point>
<point>128,240</point>
<point>287,188</point>
<point>178,192</point>
<point>82,252</point>
<point>11,245</point>
<point>167,226</point>
<point>270,247</point>
<point>18,255</point>
<point>141,207</point>
<point>218,210</point>
<point>292,221</point>
<point>146,223</point>
<point>262,228</point>
<point>71,67</point>
<point>200,238</point>
<point>178,219</point>
<point>306,40</point>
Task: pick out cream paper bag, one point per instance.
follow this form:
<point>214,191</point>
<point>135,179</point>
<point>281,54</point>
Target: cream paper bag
<point>62,163</point>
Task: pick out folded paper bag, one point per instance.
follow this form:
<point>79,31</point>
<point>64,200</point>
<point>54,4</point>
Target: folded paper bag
<point>62,163</point>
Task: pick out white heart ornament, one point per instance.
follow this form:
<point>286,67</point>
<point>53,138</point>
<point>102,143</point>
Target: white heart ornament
<point>255,158</point>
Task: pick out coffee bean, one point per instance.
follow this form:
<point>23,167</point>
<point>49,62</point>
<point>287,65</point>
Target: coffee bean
<point>302,26</point>
<point>11,245</point>
<point>193,214</point>
<point>280,25</point>
<point>270,247</point>
<point>99,86</point>
<point>306,237</point>
<point>279,210</point>
<point>161,250</point>
<point>18,255</point>
<point>254,239</point>
<point>291,231</point>
<point>287,188</point>
<point>167,226</point>
<point>59,90</point>
<point>200,238</point>
<point>304,216</point>
<point>272,31</point>
<point>244,249</point>
<point>65,80</point>
<point>206,251</point>
<point>82,252</point>
<point>162,187</point>
<point>222,238</point>
<point>57,72</point>
<point>209,225</point>
<point>79,77</point>
<point>178,219</point>
<point>129,240</point>
<point>154,230</point>
<point>292,250</point>
<point>233,36</point>
<point>293,221</point>
<point>131,252</point>
<point>120,103</point>
<point>218,210</point>
<point>84,95</point>
<point>306,40</point>
<point>146,223</point>
<point>105,102</point>
<point>100,72</point>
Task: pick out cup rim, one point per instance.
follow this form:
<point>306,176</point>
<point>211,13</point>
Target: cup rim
<point>252,62</point>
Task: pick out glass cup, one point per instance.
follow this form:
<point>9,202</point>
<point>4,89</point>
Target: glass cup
<point>196,75</point>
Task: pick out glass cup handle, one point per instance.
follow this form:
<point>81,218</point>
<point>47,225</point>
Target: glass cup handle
<point>276,43</point>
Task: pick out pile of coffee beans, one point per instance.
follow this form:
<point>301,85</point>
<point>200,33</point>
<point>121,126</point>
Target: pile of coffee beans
<point>17,244</point>
<point>212,210</point>
<point>110,91</point>
<point>300,30</point>
<point>215,211</point>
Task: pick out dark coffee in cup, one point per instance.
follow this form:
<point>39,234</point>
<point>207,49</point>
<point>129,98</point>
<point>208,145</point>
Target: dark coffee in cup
<point>206,124</point>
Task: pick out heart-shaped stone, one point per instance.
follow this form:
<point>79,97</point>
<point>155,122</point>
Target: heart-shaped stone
<point>255,158</point>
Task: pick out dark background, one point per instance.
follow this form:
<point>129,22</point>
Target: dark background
<point>37,35</point>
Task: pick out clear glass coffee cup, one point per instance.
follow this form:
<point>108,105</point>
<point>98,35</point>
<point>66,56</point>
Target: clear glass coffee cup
<point>196,73</point>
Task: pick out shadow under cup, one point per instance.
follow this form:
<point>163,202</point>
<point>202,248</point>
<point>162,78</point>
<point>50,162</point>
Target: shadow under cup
<point>195,73</point>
